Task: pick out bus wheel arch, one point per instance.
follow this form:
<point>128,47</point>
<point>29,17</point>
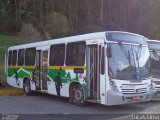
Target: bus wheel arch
<point>76,94</point>
<point>26,86</point>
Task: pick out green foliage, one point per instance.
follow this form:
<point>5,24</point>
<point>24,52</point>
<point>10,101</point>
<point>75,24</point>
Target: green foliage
<point>80,16</point>
<point>149,19</point>
<point>9,24</point>
<point>6,41</point>
<point>57,25</point>
<point>90,29</point>
<point>29,33</point>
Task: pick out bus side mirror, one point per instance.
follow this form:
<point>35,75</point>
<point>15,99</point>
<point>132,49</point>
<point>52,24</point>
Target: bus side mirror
<point>109,53</point>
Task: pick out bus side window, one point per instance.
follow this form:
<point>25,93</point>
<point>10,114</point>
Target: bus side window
<point>57,54</point>
<point>21,53</point>
<point>10,58</point>
<point>14,57</point>
<point>30,56</point>
<point>75,54</point>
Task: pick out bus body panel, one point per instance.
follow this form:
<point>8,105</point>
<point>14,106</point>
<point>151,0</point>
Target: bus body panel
<point>154,45</point>
<point>156,84</point>
<point>103,94</point>
<point>127,90</point>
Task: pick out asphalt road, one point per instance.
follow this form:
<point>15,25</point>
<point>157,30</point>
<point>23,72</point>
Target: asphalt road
<point>47,106</point>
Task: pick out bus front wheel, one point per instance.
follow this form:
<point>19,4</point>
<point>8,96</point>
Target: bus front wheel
<point>78,96</point>
<point>27,88</point>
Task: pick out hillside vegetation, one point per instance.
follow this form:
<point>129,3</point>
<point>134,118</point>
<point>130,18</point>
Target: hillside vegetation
<point>59,18</point>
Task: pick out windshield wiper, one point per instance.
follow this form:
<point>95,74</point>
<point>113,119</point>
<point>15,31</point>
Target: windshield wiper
<point>138,53</point>
<point>155,54</point>
<point>126,53</point>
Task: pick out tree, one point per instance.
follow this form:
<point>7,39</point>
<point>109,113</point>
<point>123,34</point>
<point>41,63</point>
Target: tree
<point>29,33</point>
<point>57,25</point>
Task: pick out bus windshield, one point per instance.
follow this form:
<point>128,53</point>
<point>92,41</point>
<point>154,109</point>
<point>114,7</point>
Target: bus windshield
<point>155,63</point>
<point>125,62</point>
<point>126,37</point>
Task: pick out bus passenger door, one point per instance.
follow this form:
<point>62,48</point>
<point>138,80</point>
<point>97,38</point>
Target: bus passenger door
<point>37,72</point>
<point>41,69</point>
<point>93,72</point>
<point>44,70</point>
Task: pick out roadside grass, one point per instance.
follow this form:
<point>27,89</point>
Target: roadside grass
<point>5,42</point>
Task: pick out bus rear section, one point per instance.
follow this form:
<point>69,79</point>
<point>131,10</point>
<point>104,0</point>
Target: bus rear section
<point>154,46</point>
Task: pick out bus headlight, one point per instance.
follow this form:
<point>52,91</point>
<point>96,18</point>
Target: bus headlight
<point>113,86</point>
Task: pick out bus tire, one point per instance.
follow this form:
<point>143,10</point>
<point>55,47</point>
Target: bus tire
<point>71,91</point>
<point>78,96</point>
<point>27,87</point>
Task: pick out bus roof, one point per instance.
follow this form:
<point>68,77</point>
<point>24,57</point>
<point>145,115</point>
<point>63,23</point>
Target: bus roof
<point>154,44</point>
<point>89,36</point>
<point>154,41</point>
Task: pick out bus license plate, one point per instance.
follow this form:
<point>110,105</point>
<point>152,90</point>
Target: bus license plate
<point>136,98</point>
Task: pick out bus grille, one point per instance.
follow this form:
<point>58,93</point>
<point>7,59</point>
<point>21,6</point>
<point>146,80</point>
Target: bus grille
<point>157,82</point>
<point>134,91</point>
<point>157,87</point>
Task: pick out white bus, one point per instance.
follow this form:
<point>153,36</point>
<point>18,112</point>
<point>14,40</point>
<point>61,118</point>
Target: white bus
<point>154,46</point>
<point>109,68</point>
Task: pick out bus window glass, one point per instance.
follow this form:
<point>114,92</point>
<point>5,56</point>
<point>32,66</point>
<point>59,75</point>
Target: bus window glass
<point>14,57</point>
<point>21,57</point>
<point>30,56</point>
<point>152,45</point>
<point>57,53</point>
<point>10,58</point>
<point>126,37</point>
<point>102,62</point>
<point>155,63</point>
<point>123,64</point>
<point>76,54</point>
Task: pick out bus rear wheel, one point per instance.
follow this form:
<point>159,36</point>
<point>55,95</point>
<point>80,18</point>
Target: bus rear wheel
<point>27,88</point>
<point>78,96</point>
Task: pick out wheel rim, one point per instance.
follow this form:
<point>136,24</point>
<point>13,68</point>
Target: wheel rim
<point>78,95</point>
<point>26,87</point>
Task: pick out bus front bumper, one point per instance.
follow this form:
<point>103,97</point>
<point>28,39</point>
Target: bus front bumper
<point>117,98</point>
